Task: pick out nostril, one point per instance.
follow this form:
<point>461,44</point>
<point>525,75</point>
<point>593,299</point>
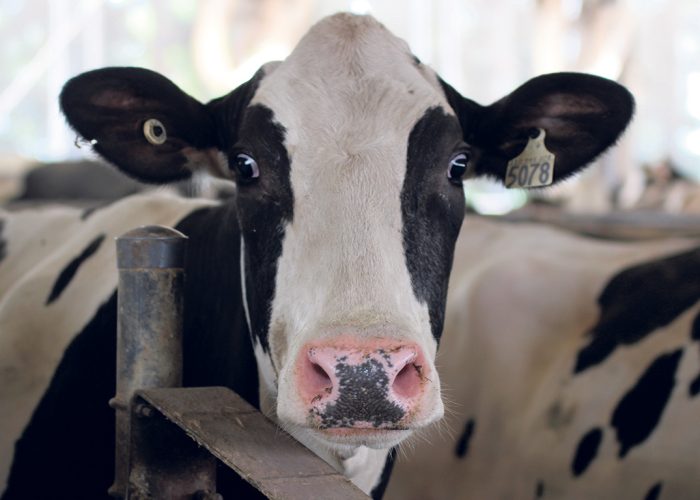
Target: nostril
<point>320,380</point>
<point>316,376</point>
<point>407,382</point>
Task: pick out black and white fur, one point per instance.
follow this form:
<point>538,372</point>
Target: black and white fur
<point>349,229</point>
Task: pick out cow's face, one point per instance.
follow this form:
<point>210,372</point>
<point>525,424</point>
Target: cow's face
<point>349,158</point>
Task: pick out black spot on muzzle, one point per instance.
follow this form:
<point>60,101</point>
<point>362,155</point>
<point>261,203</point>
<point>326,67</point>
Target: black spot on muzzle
<point>363,396</point>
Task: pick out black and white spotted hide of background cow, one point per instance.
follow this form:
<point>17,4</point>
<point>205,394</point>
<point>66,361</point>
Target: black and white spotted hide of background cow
<point>318,291</point>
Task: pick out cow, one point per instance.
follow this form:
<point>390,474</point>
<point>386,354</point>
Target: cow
<point>92,183</point>
<point>570,367</point>
<point>82,180</point>
<point>318,291</point>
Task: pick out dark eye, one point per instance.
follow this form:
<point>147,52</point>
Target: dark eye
<point>246,167</point>
<point>458,167</point>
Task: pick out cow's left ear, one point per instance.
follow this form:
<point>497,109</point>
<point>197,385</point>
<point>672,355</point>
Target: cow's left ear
<point>582,115</point>
<point>142,122</point>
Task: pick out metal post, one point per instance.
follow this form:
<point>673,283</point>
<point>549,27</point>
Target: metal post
<point>149,327</point>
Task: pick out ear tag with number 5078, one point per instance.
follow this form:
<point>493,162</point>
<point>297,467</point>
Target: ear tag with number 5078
<point>534,167</point>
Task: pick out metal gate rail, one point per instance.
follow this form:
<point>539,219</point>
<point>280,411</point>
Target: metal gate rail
<point>224,425</point>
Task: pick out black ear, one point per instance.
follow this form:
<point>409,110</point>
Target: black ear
<point>140,121</point>
<point>582,115</point>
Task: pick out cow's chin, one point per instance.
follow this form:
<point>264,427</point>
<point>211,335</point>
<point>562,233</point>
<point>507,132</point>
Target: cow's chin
<point>344,437</point>
<point>347,439</point>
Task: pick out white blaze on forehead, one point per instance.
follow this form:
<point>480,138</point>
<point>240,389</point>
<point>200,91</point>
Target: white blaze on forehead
<point>348,97</point>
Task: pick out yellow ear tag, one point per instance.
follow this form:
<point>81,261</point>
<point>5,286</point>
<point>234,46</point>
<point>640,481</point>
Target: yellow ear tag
<point>155,132</point>
<point>534,167</point>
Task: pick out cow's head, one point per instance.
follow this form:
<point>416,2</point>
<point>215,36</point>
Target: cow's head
<point>348,158</point>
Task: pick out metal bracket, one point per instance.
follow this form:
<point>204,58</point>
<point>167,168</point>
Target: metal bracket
<point>217,421</point>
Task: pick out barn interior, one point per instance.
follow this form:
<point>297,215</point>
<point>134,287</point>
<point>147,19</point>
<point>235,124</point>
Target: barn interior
<point>645,188</point>
<point>484,49</point>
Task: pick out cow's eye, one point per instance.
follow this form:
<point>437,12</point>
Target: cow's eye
<point>246,167</point>
<point>458,167</point>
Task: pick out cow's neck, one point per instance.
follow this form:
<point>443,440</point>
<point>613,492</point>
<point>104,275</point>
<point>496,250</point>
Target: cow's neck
<point>217,345</point>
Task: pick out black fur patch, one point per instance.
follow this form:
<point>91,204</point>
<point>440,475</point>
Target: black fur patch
<point>586,451</point>
<point>654,491</point>
<point>265,206</point>
<point>463,443</point>
<point>432,210</point>
<point>67,449</point>
<point>378,491</point>
<point>694,388</point>
<point>539,489</point>
<point>65,276</point>
<point>640,410</point>
<point>3,243</point>
<point>695,329</point>
<point>363,392</point>
<point>217,346</point>
<point>631,309</point>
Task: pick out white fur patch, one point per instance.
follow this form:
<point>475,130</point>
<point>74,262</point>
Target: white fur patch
<point>244,294</point>
<point>348,98</point>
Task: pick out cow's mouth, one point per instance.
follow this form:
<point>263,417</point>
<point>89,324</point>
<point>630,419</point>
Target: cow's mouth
<point>370,437</point>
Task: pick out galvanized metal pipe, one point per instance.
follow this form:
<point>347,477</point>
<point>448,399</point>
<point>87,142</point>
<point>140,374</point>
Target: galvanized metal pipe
<point>151,261</point>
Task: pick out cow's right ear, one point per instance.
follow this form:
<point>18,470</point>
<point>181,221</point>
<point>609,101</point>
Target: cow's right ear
<point>582,115</point>
<point>142,122</point>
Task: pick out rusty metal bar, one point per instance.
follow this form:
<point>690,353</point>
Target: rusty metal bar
<point>219,422</point>
<point>164,462</point>
<point>149,327</point>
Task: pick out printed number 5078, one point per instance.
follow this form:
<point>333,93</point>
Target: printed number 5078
<point>524,175</point>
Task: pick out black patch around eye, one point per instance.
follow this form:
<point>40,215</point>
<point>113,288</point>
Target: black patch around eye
<point>463,443</point>
<point>654,491</point>
<point>263,213</point>
<point>65,276</point>
<point>432,211</point>
<point>630,309</point>
<point>640,410</point>
<point>586,451</point>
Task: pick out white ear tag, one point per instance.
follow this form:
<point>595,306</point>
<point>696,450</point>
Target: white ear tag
<point>155,132</point>
<point>534,167</point>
